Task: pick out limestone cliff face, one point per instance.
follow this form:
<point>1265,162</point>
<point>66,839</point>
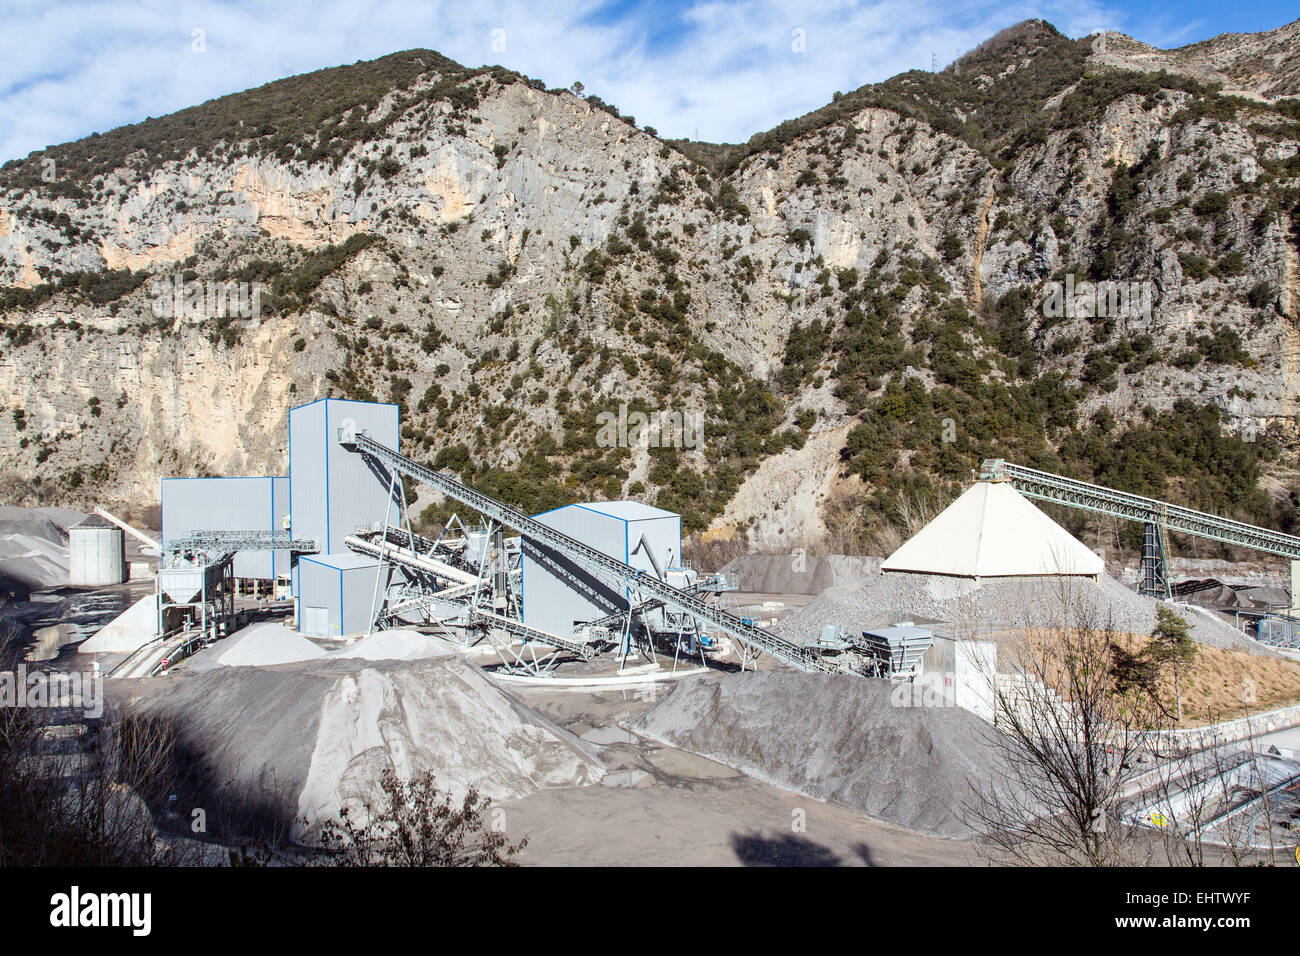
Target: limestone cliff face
<point>528,248</point>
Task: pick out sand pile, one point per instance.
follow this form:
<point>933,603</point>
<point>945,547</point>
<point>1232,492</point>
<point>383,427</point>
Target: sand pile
<point>395,645</point>
<point>130,630</point>
<point>837,738</point>
<point>301,742</point>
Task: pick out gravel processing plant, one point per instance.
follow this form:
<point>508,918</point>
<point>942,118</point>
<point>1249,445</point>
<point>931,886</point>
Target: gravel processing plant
<point>300,638</point>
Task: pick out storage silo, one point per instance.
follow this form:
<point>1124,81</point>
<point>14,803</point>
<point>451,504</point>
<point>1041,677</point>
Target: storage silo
<point>96,553</point>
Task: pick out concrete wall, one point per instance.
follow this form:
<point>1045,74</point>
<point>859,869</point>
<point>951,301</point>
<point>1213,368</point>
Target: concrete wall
<point>229,504</point>
<point>556,594</point>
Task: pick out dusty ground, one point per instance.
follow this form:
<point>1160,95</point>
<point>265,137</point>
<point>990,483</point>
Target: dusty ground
<point>663,807</point>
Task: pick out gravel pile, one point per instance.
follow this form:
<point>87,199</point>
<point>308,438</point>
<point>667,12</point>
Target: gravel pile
<point>985,605</point>
<point>294,744</point>
<point>799,573</point>
<point>833,737</point>
<point>997,604</point>
<point>395,645</point>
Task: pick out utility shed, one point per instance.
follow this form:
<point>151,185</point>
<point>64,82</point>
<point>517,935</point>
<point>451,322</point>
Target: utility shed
<point>963,670</point>
<point>558,594</point>
<point>336,593</point>
<point>229,504</point>
<point>96,553</point>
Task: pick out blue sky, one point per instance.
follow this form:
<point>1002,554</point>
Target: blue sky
<point>717,70</point>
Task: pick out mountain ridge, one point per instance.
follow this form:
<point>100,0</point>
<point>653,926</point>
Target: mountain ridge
<point>508,262</point>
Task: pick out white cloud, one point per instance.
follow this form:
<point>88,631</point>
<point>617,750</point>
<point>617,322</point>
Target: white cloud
<point>714,70</point>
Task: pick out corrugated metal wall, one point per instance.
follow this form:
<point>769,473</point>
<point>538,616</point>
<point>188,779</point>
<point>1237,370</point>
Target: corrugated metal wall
<point>554,603</point>
<point>228,504</point>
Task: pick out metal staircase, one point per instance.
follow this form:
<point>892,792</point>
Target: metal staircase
<point>591,560</point>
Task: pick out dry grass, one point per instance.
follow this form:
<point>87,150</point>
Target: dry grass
<point>1219,685</point>
<point>1223,684</point>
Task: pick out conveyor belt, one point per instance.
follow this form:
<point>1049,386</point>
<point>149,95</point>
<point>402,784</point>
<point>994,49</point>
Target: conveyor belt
<point>589,558</point>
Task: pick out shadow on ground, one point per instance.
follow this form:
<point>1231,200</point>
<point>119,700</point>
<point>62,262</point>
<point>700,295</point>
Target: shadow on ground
<point>790,849</point>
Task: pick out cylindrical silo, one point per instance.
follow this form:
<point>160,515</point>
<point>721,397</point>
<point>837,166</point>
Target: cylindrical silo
<point>96,554</point>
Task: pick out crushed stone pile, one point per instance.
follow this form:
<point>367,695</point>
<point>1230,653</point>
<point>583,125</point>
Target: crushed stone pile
<point>34,549</point>
<point>996,604</point>
<point>264,645</point>
<point>295,744</point>
<point>833,737</point>
<point>269,643</point>
<point>797,572</point>
<point>50,524</point>
<point>1206,627</point>
<point>989,604</point>
<point>395,645</point>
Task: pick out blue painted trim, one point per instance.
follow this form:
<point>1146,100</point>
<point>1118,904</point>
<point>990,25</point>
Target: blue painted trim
<point>326,423</point>
<point>293,570</point>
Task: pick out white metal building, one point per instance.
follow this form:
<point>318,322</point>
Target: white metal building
<point>337,593</point>
<point>229,504</point>
<point>333,492</point>
<point>557,594</point>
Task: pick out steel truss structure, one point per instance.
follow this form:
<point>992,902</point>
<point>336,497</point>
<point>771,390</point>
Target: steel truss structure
<point>1159,517</point>
<point>692,609</point>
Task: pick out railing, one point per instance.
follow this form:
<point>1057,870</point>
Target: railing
<point>519,629</point>
<point>589,558</point>
<point>231,541</point>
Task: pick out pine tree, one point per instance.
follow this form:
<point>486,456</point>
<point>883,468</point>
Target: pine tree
<point>1171,646</point>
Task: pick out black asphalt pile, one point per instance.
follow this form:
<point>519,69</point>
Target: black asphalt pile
<point>837,738</point>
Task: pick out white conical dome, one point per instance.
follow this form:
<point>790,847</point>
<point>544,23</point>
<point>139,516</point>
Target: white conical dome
<point>994,531</point>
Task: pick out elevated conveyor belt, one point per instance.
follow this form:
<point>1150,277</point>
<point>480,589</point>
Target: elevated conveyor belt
<point>229,542</point>
<point>589,558</point>
<point>416,562</point>
<point>519,629</point>
<point>1099,499</point>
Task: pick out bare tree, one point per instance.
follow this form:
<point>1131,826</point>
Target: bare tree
<point>73,790</point>
<point>413,823</point>
<point>1068,746</point>
<point>1199,786</point>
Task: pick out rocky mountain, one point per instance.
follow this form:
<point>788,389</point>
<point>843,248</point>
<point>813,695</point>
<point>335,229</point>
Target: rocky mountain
<point>1079,255</point>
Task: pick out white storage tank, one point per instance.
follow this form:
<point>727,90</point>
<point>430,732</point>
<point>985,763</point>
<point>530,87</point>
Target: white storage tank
<point>96,553</point>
